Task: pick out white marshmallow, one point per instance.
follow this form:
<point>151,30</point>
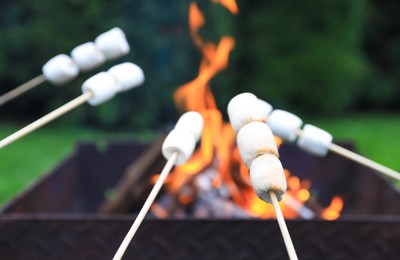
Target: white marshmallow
<point>128,75</point>
<point>266,174</point>
<point>103,86</point>
<point>60,69</point>
<point>255,139</point>
<point>265,107</point>
<point>193,122</point>
<point>284,124</point>
<point>113,43</point>
<point>179,140</point>
<point>315,140</point>
<point>87,56</point>
<point>244,108</point>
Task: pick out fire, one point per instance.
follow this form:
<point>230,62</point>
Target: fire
<point>229,4</point>
<point>218,147</point>
<point>332,212</point>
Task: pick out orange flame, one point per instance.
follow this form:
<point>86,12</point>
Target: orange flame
<point>218,147</point>
<point>229,4</point>
<point>332,212</point>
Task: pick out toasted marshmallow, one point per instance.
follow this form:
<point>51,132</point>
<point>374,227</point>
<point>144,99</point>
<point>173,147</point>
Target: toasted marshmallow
<point>243,109</point>
<point>193,122</point>
<point>315,140</point>
<point>183,137</point>
<point>60,69</point>
<point>284,124</point>
<point>255,139</point>
<point>128,75</point>
<point>266,174</point>
<point>87,56</point>
<point>181,141</point>
<point>112,44</point>
<point>103,86</point>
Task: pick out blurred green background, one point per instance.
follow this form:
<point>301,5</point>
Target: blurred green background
<point>319,58</point>
<point>335,63</point>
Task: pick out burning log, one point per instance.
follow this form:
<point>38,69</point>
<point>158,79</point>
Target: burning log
<point>130,187</point>
<point>303,211</point>
<point>61,69</point>
<point>177,148</point>
<point>317,141</point>
<point>96,90</point>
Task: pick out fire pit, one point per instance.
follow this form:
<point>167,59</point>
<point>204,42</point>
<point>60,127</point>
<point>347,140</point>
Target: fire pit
<point>56,218</point>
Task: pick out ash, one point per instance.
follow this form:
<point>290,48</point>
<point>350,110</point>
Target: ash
<point>206,201</point>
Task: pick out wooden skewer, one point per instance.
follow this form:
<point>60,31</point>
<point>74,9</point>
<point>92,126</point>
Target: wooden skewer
<point>22,89</point>
<point>282,225</point>
<point>364,161</point>
<point>150,199</point>
<point>47,118</point>
<point>361,159</point>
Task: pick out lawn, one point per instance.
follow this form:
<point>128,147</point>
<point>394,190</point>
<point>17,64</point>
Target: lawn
<point>375,136</point>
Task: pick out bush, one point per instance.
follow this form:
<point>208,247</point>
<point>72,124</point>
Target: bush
<point>303,56</point>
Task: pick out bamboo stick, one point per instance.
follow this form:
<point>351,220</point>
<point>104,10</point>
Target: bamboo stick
<point>150,199</point>
<point>282,225</point>
<point>46,119</point>
<point>22,89</point>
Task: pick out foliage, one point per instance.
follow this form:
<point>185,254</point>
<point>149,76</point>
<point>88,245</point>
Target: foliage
<point>33,32</point>
<point>382,45</point>
<point>316,57</point>
<point>303,55</point>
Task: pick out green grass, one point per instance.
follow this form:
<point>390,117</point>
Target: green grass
<point>23,161</point>
<point>375,136</point>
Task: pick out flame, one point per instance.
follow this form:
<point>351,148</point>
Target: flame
<point>229,4</point>
<point>332,212</point>
<point>218,143</point>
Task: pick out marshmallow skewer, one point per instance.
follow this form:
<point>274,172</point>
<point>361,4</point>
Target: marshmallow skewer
<point>62,68</point>
<point>177,148</point>
<point>22,89</point>
<point>96,90</point>
<point>267,177</point>
<point>259,152</point>
<point>317,141</point>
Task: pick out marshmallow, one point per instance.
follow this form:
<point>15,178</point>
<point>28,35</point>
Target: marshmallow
<point>128,75</point>
<point>244,108</point>
<point>60,69</point>
<point>193,122</point>
<point>113,43</point>
<point>255,139</point>
<point>266,174</point>
<point>87,56</point>
<point>265,107</point>
<point>284,124</point>
<point>103,86</point>
<point>315,140</point>
<point>179,140</point>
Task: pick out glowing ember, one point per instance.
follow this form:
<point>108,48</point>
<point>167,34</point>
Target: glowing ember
<point>188,183</point>
<point>332,212</point>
